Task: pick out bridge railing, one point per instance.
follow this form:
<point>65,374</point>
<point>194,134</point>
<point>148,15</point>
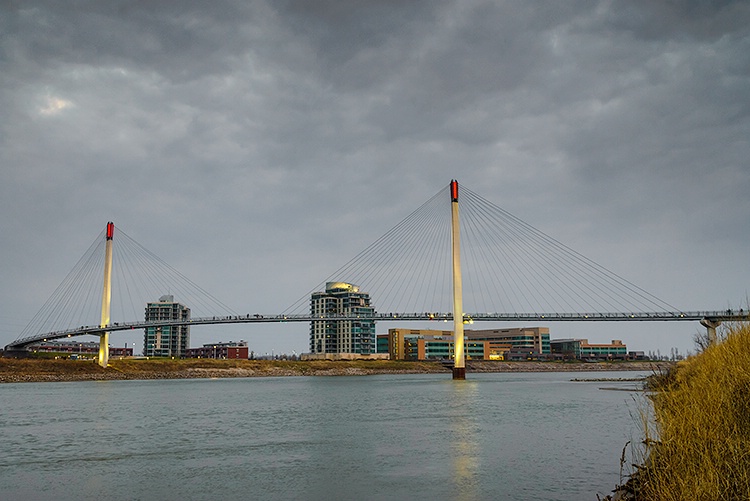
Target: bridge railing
<point>719,316</point>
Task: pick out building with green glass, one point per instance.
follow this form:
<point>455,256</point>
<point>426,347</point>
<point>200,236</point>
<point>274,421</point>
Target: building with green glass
<point>166,340</point>
<point>583,350</point>
<point>427,344</point>
<point>351,335</point>
<point>517,342</point>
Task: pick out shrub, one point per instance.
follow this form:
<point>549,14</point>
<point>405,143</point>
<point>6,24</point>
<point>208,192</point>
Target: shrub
<point>701,414</point>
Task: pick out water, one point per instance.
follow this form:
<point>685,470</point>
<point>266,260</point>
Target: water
<point>532,436</point>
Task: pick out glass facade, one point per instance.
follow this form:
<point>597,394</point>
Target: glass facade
<point>351,335</point>
<point>427,344</point>
<point>526,340</point>
<point>443,350</point>
<point>582,349</point>
<point>166,340</point>
<point>382,343</point>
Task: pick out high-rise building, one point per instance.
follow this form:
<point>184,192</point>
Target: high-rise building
<point>166,340</point>
<point>354,335</point>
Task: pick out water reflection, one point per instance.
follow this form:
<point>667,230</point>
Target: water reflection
<point>464,440</point>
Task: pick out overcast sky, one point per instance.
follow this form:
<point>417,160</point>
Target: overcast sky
<point>257,146</point>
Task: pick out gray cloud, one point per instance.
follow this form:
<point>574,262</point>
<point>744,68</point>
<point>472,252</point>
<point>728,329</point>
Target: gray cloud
<point>253,143</point>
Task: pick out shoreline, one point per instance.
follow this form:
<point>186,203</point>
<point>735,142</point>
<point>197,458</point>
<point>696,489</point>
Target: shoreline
<point>52,370</point>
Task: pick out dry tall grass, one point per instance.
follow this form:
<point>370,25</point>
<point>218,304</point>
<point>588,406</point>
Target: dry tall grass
<point>701,411</point>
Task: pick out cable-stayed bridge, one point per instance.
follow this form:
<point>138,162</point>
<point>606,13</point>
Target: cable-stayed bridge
<point>511,272</point>
<point>720,316</point>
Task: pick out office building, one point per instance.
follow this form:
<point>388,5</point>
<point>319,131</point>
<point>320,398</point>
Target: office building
<point>403,343</point>
<point>487,344</point>
<point>351,335</point>
<point>583,350</point>
<point>519,343</point>
<point>166,340</point>
<point>426,344</point>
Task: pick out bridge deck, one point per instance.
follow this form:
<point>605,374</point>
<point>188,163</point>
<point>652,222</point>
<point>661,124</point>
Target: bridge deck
<point>716,316</point>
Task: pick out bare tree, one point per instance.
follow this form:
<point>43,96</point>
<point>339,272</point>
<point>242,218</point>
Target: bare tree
<point>703,341</point>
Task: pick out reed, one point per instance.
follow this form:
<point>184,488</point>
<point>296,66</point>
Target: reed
<point>700,414</point>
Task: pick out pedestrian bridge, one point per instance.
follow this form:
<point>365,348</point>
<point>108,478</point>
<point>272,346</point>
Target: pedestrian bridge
<point>427,268</point>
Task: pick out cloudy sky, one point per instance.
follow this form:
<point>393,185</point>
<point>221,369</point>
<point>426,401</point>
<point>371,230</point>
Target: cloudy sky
<point>256,146</point>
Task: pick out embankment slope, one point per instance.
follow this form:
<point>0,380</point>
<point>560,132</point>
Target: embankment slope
<point>37,370</point>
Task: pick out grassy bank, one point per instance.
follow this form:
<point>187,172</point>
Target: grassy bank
<point>45,369</point>
<point>34,369</point>
<point>701,419</point>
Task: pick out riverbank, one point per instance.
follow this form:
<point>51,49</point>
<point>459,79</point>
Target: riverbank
<point>40,370</point>
<point>698,433</point>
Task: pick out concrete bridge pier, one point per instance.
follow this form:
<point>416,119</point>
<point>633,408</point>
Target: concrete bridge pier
<point>711,324</point>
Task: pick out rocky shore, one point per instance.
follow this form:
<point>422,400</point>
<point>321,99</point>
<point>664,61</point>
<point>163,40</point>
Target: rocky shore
<point>52,370</point>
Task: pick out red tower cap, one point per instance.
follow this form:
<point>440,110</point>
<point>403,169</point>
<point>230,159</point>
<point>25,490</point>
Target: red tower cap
<point>454,191</point>
<point>110,230</point>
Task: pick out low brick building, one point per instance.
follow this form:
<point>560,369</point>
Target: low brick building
<point>228,350</point>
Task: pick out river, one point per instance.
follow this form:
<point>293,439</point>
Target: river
<point>517,436</point>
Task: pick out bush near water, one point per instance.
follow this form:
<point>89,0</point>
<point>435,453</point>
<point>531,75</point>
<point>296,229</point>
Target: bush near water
<point>701,414</point>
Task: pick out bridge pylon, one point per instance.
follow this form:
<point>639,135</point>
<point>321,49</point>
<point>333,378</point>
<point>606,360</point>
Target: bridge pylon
<point>711,324</point>
<point>459,359</point>
<point>106,296</point>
